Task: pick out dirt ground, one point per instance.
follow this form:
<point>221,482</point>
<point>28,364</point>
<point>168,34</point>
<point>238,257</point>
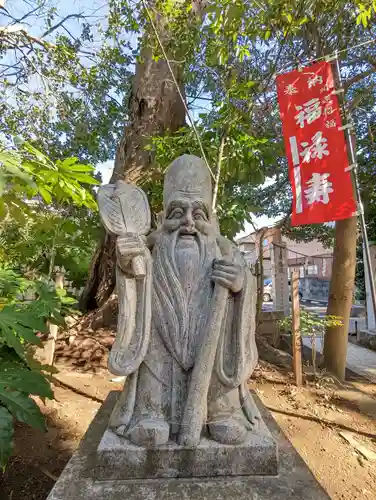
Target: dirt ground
<point>312,417</point>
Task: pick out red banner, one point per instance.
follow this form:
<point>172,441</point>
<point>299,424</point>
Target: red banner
<point>315,146</point>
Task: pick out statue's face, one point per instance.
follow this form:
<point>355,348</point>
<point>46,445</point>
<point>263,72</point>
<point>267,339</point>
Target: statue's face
<point>189,217</point>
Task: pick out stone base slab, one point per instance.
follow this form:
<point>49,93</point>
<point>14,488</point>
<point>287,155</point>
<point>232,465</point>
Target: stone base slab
<point>294,479</point>
<point>117,458</point>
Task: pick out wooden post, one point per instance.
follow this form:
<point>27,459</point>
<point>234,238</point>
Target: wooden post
<point>296,337</point>
<point>357,331</point>
<point>51,342</point>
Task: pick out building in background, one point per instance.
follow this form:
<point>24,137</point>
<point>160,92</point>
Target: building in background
<point>310,258</point>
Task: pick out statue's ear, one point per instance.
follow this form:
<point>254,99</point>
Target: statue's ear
<point>215,223</point>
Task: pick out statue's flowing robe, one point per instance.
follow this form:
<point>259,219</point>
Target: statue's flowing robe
<point>158,387</point>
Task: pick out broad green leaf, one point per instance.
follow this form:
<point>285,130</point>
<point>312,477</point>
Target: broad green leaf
<point>8,337</point>
<point>37,154</point>
<point>22,407</point>
<point>18,377</point>
<point>27,316</point>
<point>86,179</point>
<point>6,435</point>
<point>68,162</point>
<point>34,364</point>
<point>79,167</point>
<point>9,158</point>
<point>46,195</point>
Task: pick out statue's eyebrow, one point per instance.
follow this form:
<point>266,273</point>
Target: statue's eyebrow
<point>202,206</point>
<point>177,204</point>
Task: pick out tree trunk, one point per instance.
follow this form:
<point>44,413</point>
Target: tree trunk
<point>341,296</point>
<point>155,108</point>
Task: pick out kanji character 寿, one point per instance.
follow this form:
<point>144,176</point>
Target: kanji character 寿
<point>319,188</point>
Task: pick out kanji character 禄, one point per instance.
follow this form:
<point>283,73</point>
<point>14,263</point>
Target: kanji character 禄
<point>317,149</point>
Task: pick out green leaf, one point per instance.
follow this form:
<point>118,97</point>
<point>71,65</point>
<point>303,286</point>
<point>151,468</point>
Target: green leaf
<point>289,18</point>
<point>11,340</point>
<point>68,162</point>
<point>6,435</point>
<point>22,407</point>
<point>37,154</point>
<point>45,194</point>
<point>17,376</point>
<point>71,165</point>
<point>21,321</point>
<point>16,171</point>
<point>87,179</point>
<point>36,365</point>
<point>80,167</point>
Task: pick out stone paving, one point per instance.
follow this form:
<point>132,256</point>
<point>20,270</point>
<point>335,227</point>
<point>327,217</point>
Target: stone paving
<point>359,359</point>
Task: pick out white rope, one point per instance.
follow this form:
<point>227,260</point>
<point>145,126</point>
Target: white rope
<point>178,88</point>
<point>328,57</point>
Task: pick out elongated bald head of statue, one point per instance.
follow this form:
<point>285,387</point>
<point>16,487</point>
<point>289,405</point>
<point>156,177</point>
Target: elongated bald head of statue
<point>187,197</point>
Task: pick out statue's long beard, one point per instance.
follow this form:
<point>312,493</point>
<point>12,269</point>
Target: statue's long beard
<point>182,290</point>
<point>188,259</point>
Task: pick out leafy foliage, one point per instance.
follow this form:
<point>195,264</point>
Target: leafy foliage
<point>6,434</point>
<point>228,52</point>
<point>11,284</point>
<point>64,78</point>
<point>34,235</point>
<point>311,324</point>
<point>20,374</point>
<point>30,182</point>
<point>241,166</point>
<point>25,169</point>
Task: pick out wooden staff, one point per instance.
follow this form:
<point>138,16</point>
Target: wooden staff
<point>196,404</point>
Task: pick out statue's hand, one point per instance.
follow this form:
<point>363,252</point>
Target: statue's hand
<point>228,275</point>
<point>127,248</point>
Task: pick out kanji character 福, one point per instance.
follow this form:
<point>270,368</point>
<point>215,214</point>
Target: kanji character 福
<point>291,89</point>
<point>313,80</point>
<point>317,149</point>
<point>319,188</point>
<point>309,112</point>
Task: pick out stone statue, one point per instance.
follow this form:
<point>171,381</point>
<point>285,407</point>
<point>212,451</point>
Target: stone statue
<point>186,322</point>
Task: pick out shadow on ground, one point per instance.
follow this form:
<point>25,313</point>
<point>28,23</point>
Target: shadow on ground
<point>38,457</point>
<point>37,461</point>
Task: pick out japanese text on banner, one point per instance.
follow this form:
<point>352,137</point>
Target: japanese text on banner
<point>315,146</point>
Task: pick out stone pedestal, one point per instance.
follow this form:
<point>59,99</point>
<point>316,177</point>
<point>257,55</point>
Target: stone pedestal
<point>99,471</point>
<point>117,458</point>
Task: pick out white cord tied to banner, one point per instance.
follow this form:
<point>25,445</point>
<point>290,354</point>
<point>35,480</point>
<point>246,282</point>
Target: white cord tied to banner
<point>329,57</point>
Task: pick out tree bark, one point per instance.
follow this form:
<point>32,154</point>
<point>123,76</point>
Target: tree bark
<point>155,108</point>
<point>341,296</point>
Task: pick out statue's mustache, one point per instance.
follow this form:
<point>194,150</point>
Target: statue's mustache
<point>187,230</point>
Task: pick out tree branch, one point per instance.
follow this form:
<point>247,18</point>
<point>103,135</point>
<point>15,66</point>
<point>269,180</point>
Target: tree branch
<point>357,78</point>
<point>30,13</point>
<point>60,23</point>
